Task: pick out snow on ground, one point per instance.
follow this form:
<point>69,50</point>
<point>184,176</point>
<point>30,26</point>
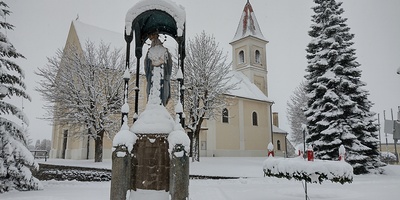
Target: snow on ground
<point>257,187</point>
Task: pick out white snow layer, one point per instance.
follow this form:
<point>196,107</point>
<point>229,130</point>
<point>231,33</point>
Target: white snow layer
<point>147,194</point>
<point>125,137</point>
<point>178,136</point>
<point>179,107</point>
<point>155,118</point>
<point>97,35</point>
<point>158,55</point>
<point>127,74</point>
<point>125,108</point>
<point>179,74</point>
<point>270,146</point>
<point>177,12</point>
<point>255,186</point>
<point>245,88</point>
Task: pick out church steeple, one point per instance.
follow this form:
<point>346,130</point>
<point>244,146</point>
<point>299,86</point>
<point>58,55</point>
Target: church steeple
<point>248,24</point>
<point>248,49</point>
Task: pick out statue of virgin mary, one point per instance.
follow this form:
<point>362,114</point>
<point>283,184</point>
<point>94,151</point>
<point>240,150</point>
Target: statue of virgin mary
<point>158,57</point>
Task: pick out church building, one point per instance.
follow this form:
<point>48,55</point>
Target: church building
<point>245,127</point>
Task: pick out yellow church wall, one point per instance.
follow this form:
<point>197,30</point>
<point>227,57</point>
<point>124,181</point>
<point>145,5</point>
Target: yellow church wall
<point>249,47</point>
<point>260,46</point>
<point>227,134</point>
<point>256,137</point>
<point>238,137</point>
<point>281,138</point>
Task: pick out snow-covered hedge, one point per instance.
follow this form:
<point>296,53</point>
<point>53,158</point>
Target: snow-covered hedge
<point>311,171</point>
<point>62,173</point>
<point>388,157</point>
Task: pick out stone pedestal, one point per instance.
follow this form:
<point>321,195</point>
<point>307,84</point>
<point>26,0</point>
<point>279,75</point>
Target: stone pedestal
<point>150,163</point>
<point>120,181</point>
<point>179,174</point>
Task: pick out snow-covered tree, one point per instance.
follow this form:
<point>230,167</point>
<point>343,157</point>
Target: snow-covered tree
<point>338,111</point>
<point>206,82</point>
<point>37,144</point>
<point>85,90</point>
<point>44,144</point>
<point>16,161</point>
<point>295,113</point>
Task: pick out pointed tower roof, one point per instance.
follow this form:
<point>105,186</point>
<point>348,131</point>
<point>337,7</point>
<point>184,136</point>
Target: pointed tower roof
<point>248,25</point>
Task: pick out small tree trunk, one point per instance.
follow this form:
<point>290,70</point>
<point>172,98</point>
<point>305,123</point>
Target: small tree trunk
<point>195,153</point>
<point>196,141</point>
<point>197,156</point>
<point>190,134</point>
<point>196,146</point>
<point>98,147</point>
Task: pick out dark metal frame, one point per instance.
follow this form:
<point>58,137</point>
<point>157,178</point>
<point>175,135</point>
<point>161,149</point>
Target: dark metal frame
<point>145,24</point>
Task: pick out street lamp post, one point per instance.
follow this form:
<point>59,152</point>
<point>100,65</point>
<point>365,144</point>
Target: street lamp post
<point>396,138</point>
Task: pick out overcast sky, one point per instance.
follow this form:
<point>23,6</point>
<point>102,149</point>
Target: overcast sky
<point>41,27</point>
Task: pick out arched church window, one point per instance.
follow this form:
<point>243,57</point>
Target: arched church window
<point>257,56</point>
<point>278,144</point>
<point>225,116</point>
<point>241,56</point>
<point>255,120</point>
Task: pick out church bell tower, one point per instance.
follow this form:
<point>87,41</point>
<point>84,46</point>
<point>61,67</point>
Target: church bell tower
<point>248,49</point>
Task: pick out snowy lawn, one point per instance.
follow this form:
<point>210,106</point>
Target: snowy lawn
<point>364,187</point>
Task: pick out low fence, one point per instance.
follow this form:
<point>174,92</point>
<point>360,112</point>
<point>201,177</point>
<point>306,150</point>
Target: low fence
<point>40,154</point>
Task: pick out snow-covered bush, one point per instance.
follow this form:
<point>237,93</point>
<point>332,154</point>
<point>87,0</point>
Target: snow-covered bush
<point>311,171</point>
<point>388,157</point>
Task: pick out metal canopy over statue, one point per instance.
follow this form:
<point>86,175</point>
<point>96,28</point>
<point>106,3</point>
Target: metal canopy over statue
<point>154,17</point>
<point>150,159</point>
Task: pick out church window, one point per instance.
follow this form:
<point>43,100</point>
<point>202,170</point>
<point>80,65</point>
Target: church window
<point>255,120</point>
<point>64,147</point>
<point>225,116</point>
<point>241,56</point>
<point>257,57</point>
<point>278,144</point>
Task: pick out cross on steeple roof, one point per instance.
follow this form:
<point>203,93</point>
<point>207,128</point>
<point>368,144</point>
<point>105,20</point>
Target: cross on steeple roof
<point>248,24</point>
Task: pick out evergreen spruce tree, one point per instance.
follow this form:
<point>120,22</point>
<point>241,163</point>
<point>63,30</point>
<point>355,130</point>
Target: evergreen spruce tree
<point>338,111</point>
<point>15,159</point>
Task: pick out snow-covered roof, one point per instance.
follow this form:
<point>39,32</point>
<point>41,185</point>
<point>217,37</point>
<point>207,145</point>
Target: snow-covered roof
<point>245,88</point>
<point>276,129</point>
<point>176,11</point>
<point>248,25</point>
<point>97,35</point>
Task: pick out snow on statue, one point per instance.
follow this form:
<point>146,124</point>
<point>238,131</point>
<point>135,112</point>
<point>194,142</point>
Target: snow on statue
<point>158,56</point>
<point>155,118</point>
